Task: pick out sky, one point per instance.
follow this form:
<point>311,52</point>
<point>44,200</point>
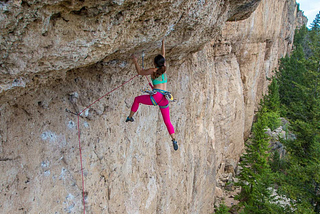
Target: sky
<point>311,8</point>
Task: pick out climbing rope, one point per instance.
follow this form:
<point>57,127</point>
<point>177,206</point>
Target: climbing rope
<point>79,137</point>
<point>108,94</point>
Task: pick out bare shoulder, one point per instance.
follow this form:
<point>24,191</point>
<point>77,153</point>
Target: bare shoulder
<point>152,70</point>
<point>148,71</point>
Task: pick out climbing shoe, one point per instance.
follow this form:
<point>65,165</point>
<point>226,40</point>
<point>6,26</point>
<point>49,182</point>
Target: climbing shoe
<point>129,119</point>
<point>175,145</point>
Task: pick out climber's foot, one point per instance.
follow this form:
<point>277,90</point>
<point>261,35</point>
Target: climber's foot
<point>175,144</point>
<point>129,119</point>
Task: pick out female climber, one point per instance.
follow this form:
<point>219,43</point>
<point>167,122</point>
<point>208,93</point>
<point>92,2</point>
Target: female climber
<point>159,81</point>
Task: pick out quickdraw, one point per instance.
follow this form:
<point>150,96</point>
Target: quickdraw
<point>150,92</point>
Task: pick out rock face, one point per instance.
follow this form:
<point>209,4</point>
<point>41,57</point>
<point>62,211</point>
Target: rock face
<point>42,39</point>
<point>62,54</point>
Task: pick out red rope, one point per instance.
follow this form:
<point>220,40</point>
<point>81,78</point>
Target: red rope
<point>149,82</point>
<point>79,114</point>
<point>108,93</point>
<point>84,204</point>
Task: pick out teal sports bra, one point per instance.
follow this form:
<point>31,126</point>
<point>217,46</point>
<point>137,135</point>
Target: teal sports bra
<point>161,79</point>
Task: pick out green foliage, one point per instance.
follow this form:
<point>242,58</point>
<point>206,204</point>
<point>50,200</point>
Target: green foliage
<point>295,95</point>
<point>315,25</point>
<point>300,35</point>
<point>273,120</point>
<point>271,105</point>
<point>276,163</point>
<point>255,178</point>
<point>291,73</point>
<point>298,174</point>
<point>267,208</point>
<point>271,101</point>
<point>223,209</point>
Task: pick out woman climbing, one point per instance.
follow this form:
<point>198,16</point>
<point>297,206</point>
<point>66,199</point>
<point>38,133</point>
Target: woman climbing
<point>159,81</point>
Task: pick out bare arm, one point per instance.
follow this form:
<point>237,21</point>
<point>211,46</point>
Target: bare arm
<point>163,50</point>
<point>148,71</point>
<point>134,58</point>
<point>142,71</point>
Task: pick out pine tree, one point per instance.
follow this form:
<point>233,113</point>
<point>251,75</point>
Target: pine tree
<point>300,35</point>
<point>315,25</point>
<point>255,177</point>
<point>300,94</point>
<point>291,73</point>
<point>315,31</point>
<point>271,102</point>
<point>272,99</point>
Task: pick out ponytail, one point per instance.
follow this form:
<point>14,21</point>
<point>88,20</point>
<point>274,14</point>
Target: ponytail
<point>160,71</point>
<point>159,61</point>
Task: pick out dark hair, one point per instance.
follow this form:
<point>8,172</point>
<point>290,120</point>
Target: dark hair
<point>159,61</point>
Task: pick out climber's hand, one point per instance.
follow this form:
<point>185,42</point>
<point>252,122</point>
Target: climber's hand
<point>134,57</point>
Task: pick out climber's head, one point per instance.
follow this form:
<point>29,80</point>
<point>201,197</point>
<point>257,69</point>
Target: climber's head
<point>159,61</point>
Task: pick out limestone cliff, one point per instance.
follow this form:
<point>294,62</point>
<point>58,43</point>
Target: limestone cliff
<point>58,54</point>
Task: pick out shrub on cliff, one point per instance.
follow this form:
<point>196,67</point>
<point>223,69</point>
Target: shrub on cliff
<point>222,209</point>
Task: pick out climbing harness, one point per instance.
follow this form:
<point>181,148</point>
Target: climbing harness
<point>166,94</point>
<point>169,97</point>
<point>150,92</point>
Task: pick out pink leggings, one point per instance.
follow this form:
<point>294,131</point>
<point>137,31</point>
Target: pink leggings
<point>162,101</point>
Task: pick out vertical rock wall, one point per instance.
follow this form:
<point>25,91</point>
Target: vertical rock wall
<point>258,43</point>
<point>255,45</point>
<point>132,168</point>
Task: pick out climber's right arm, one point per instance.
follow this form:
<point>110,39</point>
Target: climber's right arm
<point>163,50</point>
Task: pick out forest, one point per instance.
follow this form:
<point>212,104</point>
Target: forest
<point>288,182</point>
